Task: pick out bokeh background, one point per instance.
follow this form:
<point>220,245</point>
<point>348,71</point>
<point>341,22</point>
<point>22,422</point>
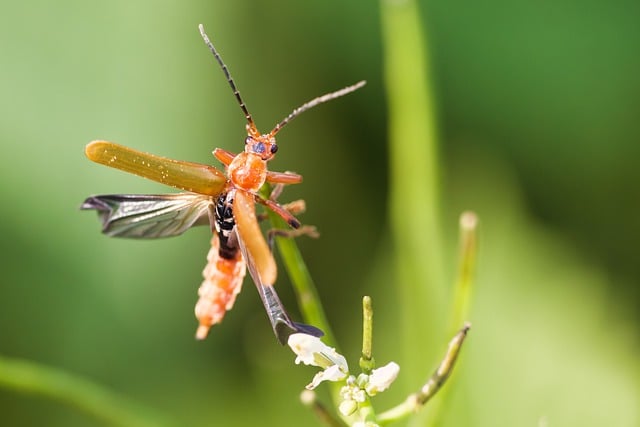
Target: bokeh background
<point>538,108</point>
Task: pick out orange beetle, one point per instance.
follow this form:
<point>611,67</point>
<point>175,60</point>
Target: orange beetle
<point>225,201</point>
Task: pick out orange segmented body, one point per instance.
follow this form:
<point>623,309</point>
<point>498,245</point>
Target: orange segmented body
<point>222,282</point>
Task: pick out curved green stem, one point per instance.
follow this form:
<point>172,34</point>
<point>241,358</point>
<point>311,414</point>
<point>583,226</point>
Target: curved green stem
<point>463,289</point>
<point>303,285</point>
<point>305,290</point>
<point>308,398</point>
<point>417,400</point>
<point>414,184</point>
<point>32,378</point>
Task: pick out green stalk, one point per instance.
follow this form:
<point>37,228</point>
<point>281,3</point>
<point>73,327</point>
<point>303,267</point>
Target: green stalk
<point>305,291</point>
<point>32,378</point>
<point>414,186</point>
<point>417,400</point>
<point>367,362</point>
<point>303,285</point>
<point>463,289</point>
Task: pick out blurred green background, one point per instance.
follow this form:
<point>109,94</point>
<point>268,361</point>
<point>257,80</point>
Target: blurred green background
<point>538,108</point>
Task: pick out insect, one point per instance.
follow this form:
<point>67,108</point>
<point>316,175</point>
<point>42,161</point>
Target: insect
<point>224,201</point>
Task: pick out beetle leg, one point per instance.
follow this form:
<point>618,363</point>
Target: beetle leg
<point>225,157</point>
<point>283,177</point>
<point>305,230</point>
<point>280,210</point>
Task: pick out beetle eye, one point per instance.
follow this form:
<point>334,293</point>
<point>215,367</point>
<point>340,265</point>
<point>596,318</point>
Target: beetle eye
<point>258,148</point>
<point>247,140</point>
<point>274,149</point>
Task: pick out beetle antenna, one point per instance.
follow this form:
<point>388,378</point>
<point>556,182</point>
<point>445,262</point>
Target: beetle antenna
<point>252,127</point>
<point>316,101</point>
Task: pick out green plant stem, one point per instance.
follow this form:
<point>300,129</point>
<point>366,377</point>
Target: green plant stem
<point>414,183</point>
<point>367,363</point>
<point>305,291</point>
<point>305,288</point>
<point>417,400</point>
<point>463,289</point>
<point>309,399</point>
<point>466,269</point>
<point>303,285</point>
<point>32,378</point>
<point>366,412</point>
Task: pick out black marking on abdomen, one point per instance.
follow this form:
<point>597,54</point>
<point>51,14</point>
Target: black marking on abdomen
<point>225,225</point>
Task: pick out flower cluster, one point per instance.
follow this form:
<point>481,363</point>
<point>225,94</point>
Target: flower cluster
<point>356,391</point>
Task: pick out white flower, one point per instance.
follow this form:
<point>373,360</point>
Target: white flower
<point>381,378</point>
<point>353,392</point>
<point>347,407</point>
<point>332,373</point>
<point>311,351</point>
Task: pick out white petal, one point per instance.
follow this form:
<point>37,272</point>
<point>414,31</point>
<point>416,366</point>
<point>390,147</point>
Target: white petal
<point>381,378</point>
<point>347,407</point>
<point>332,373</point>
<point>303,345</point>
<point>311,351</point>
<point>359,396</point>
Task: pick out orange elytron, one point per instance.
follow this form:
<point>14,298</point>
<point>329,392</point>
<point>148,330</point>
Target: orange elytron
<point>224,201</point>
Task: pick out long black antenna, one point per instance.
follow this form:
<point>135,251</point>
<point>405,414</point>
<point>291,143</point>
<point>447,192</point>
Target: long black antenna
<point>225,70</point>
<point>319,100</point>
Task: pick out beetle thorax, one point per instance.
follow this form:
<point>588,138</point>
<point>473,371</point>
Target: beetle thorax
<point>248,172</point>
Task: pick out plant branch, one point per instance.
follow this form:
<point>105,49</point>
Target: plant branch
<point>417,400</point>
<point>466,268</point>
<point>367,363</point>
<point>414,199</point>
<point>32,378</point>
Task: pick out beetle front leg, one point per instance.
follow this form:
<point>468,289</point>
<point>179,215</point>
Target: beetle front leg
<point>283,177</point>
<point>225,157</point>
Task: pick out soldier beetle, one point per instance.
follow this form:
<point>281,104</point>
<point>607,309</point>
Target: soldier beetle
<point>223,200</point>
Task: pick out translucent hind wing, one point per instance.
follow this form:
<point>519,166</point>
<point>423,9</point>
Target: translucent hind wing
<point>149,216</point>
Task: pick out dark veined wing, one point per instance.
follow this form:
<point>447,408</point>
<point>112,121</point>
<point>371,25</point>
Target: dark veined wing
<point>149,216</point>
<point>281,323</point>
